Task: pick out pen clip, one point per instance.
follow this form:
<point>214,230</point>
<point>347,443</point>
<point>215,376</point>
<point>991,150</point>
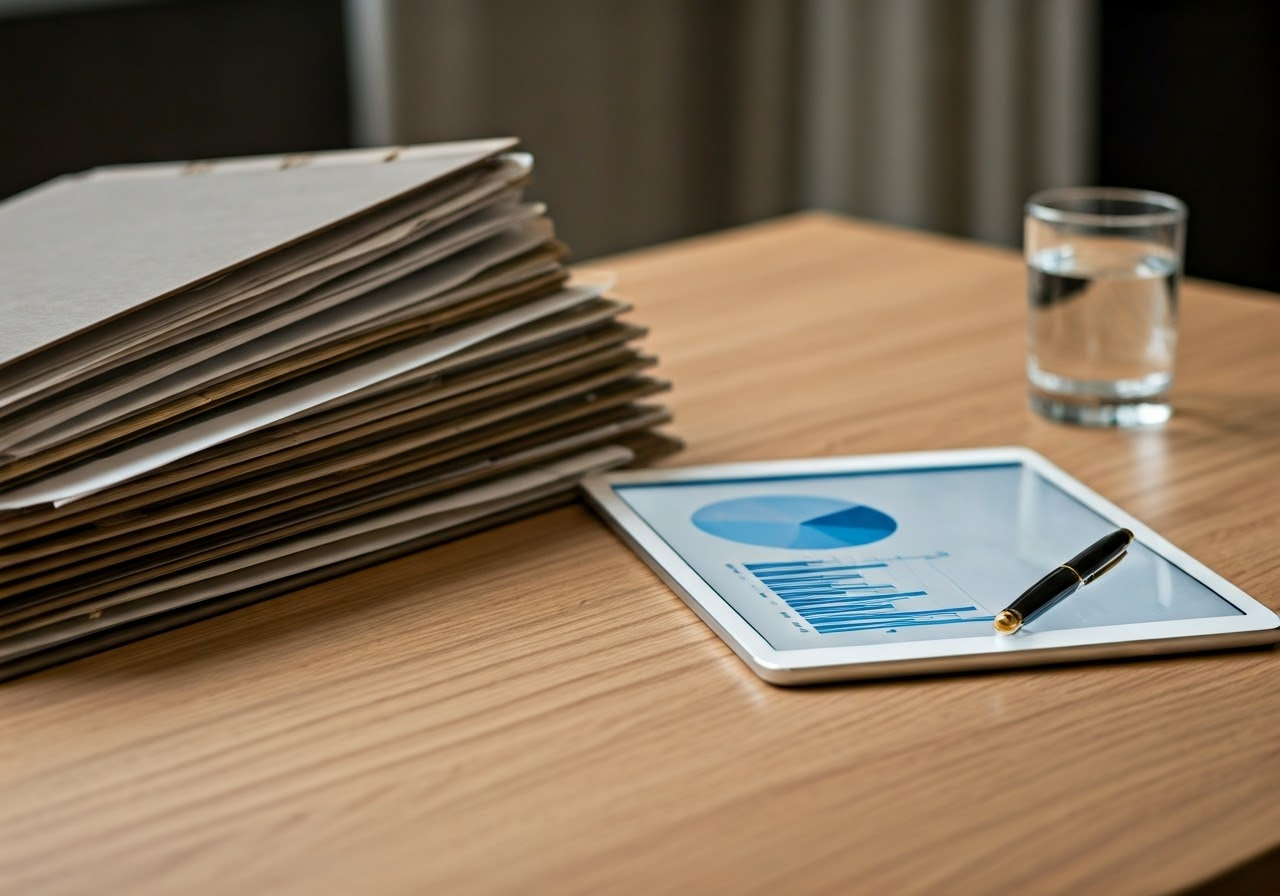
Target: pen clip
<point>1110,566</point>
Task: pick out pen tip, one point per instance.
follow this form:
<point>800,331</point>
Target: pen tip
<point>1127,532</point>
<point>1007,622</point>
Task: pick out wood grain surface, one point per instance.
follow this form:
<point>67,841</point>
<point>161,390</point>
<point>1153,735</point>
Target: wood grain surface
<point>529,710</point>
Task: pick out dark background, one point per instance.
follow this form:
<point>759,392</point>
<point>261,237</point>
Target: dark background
<point>1189,100</point>
<point>168,81</point>
<point>1190,105</point>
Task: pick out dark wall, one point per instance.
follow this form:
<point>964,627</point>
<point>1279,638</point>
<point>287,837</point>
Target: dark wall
<point>166,81</point>
<point>1189,100</point>
<point>1190,105</point>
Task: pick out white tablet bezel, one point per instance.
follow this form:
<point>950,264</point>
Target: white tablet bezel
<point>1257,624</point>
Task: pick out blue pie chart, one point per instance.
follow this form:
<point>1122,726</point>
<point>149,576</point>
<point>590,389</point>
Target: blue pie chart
<point>794,521</point>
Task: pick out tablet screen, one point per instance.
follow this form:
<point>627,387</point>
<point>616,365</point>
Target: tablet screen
<point>864,558</point>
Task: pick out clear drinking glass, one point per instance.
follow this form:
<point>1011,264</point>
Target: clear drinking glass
<point>1103,268</point>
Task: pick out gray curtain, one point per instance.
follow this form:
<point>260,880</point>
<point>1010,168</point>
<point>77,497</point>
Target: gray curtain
<point>653,119</point>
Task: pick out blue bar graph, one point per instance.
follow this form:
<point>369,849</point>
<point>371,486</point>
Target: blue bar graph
<point>834,597</point>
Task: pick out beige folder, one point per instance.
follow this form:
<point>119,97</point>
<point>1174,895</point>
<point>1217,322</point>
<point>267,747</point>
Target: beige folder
<point>262,372</point>
<point>145,214</point>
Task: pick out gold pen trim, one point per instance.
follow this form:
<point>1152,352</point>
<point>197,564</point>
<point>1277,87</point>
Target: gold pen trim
<point>1007,621</point>
<point>1073,572</point>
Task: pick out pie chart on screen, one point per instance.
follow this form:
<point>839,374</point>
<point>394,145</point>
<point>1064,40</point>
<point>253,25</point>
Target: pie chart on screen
<point>794,521</point>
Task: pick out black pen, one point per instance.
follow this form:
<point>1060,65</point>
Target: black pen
<point>1081,569</point>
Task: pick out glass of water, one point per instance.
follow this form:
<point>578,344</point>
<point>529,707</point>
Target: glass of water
<point>1103,266</point>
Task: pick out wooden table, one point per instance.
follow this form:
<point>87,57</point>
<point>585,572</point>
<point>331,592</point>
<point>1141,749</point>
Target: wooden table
<point>530,710</point>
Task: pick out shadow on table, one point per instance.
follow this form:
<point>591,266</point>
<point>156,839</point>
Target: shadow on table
<point>1258,875</point>
<point>1229,413</point>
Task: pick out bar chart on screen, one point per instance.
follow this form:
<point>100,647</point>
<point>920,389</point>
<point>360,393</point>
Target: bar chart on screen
<point>888,594</point>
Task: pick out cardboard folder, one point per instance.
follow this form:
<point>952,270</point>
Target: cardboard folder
<point>222,379</point>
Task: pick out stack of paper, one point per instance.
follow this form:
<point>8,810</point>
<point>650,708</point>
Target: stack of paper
<point>221,381</point>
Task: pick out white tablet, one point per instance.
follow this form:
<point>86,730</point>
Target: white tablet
<point>861,567</point>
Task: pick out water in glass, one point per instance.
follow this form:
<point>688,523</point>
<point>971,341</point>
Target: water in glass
<point>1102,330</point>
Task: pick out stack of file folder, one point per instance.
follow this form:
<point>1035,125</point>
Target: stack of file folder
<point>222,381</point>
